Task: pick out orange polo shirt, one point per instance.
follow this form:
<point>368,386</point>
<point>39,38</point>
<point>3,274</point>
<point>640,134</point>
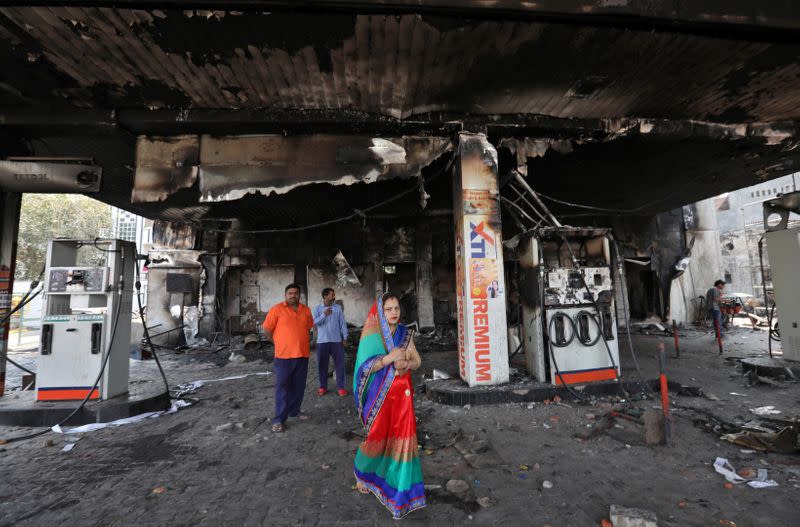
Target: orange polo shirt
<point>289,330</point>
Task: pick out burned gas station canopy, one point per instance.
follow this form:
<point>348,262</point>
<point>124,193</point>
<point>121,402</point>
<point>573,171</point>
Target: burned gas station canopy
<point>653,96</point>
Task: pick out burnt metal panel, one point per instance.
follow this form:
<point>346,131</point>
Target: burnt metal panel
<point>171,235</point>
<point>782,206</point>
<point>232,167</point>
<point>164,165</point>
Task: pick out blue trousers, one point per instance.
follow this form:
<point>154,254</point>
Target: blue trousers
<point>290,386</point>
<point>716,316</point>
<point>325,350</point>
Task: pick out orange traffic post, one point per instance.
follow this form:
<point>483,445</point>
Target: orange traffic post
<point>662,379</point>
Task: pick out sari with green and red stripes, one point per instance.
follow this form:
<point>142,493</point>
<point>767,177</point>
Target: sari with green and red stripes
<point>387,462</point>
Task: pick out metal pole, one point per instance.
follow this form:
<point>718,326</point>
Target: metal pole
<point>19,325</point>
<point>538,200</point>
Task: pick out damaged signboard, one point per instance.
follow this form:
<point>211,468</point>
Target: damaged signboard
<point>49,176</point>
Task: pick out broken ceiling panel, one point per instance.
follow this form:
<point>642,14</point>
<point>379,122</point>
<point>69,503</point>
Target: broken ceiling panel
<point>164,165</point>
<point>232,167</point>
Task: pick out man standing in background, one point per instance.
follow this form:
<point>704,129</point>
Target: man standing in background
<point>713,296</point>
<point>331,339</point>
<point>288,325</point>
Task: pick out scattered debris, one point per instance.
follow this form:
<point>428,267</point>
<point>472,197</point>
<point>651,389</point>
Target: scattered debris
<point>784,440</point>
<point>68,447</point>
<point>485,501</point>
<point>460,489</point>
<point>478,453</point>
<point>91,427</point>
<point>191,387</point>
<point>601,425</point>
<point>237,357</point>
<point>765,410</point>
<point>159,490</point>
<point>770,367</point>
<point>723,467</point>
<point>625,517</point>
<point>547,484</point>
<point>439,374</point>
<point>748,473</point>
<point>48,443</point>
<point>252,342</point>
<point>224,427</point>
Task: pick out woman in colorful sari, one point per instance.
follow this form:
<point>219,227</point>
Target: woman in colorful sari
<point>387,462</point>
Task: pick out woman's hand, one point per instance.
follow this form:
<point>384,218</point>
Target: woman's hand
<point>395,355</point>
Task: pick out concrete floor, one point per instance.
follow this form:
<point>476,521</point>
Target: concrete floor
<point>187,469</point>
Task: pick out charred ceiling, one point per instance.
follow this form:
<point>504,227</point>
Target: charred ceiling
<point>394,65</point>
<point>271,116</point>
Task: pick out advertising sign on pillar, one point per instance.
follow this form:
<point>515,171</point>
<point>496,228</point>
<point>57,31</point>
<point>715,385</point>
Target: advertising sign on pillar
<point>480,287</point>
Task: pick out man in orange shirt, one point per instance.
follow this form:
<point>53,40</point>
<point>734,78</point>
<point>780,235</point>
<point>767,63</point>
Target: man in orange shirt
<point>289,324</point>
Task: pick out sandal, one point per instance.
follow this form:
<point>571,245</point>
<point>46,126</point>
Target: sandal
<point>278,428</point>
<point>302,416</point>
<point>361,488</point>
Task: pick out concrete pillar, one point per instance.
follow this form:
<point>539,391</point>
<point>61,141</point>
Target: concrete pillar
<point>211,244</point>
<point>480,287</point>
<point>424,277</point>
<point>705,266</point>
<point>9,227</point>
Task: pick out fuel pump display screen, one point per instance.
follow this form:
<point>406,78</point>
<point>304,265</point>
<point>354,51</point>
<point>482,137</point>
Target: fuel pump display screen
<point>58,280</point>
<point>77,280</point>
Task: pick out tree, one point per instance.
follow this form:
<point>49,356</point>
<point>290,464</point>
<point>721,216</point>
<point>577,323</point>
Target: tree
<point>47,216</point>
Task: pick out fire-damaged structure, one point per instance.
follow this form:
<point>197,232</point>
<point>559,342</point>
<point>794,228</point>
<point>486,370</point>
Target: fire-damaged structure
<point>333,144</point>
<point>567,288</point>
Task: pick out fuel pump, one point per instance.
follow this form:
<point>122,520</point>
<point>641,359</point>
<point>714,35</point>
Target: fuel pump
<point>86,321</point>
<point>569,312</point>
